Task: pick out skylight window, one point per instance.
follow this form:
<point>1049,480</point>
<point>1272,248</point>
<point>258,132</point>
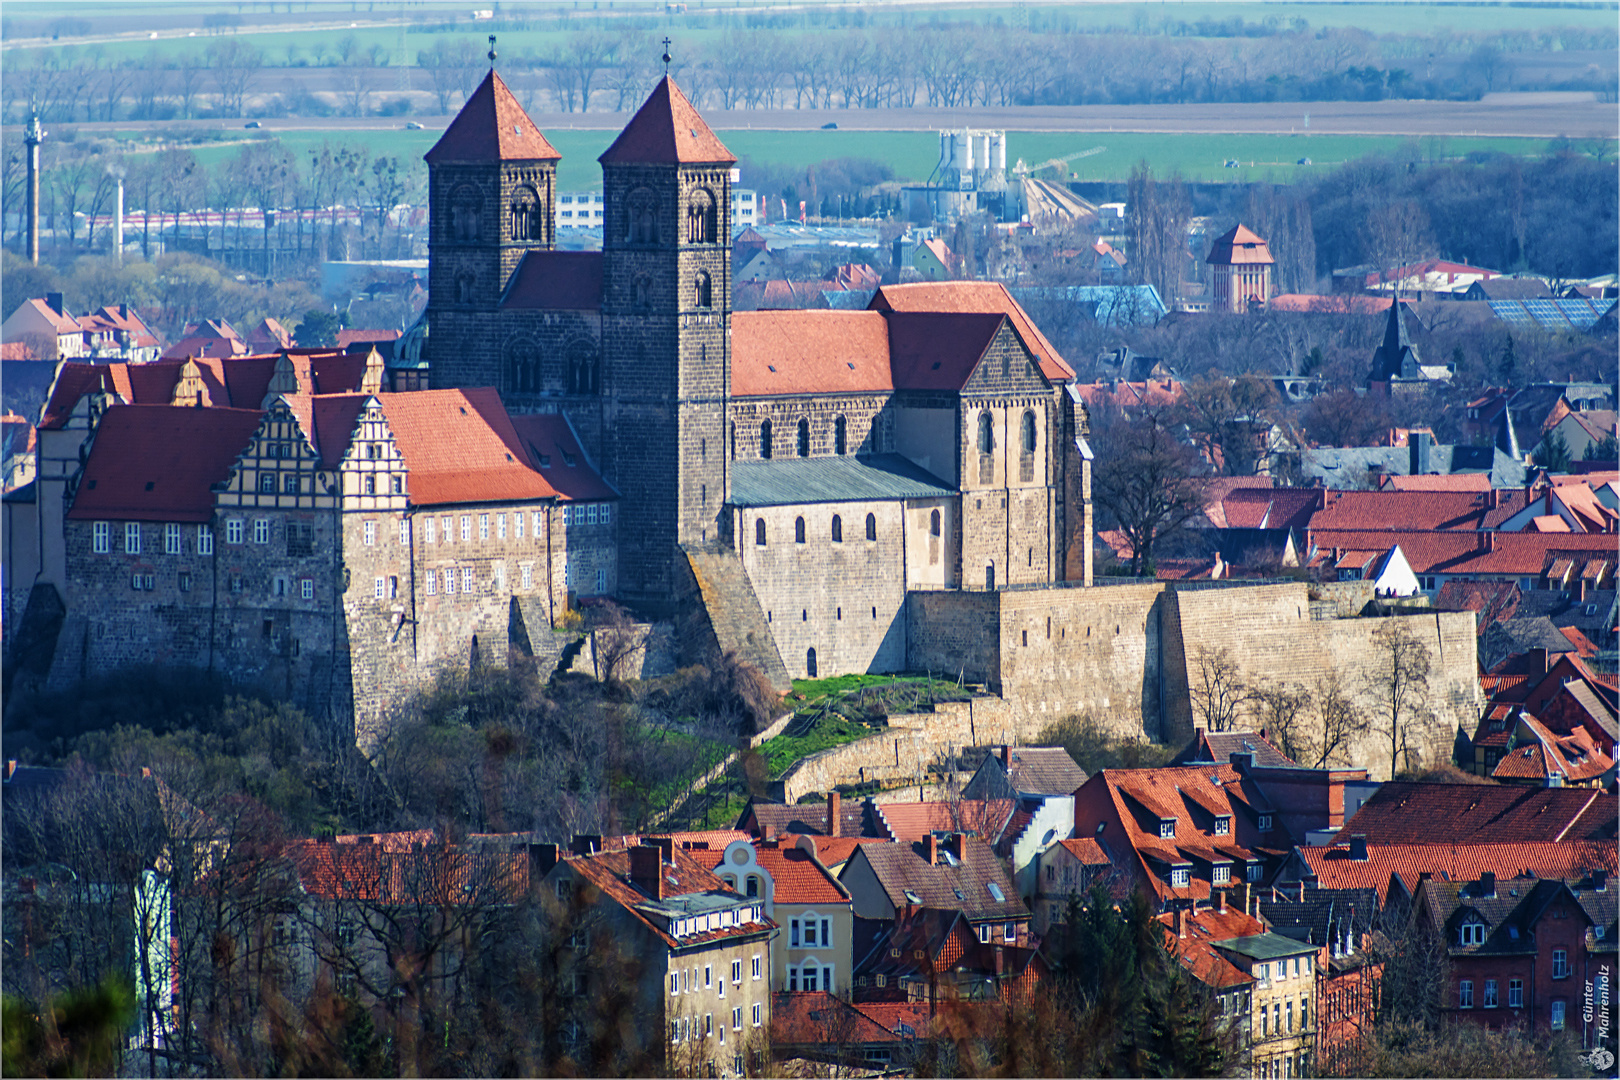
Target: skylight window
<point>912,897</point>
<point>995,891</point>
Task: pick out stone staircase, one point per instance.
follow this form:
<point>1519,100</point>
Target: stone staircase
<point>719,611</point>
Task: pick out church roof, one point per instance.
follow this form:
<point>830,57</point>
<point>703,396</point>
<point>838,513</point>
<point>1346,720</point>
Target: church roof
<point>792,481</point>
<point>557,281</point>
<point>939,350</point>
<point>492,126</point>
<point>980,297</point>
<point>667,130</point>
<point>1390,359</point>
<point>809,352</point>
<point>555,450</point>
<point>1240,247</point>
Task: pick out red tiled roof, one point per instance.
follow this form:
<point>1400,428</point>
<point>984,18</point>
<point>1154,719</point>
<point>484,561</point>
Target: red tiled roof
<point>797,352</point>
<point>1240,247</point>
<point>939,351</point>
<point>891,1014</point>
<point>431,874</point>
<point>816,1017</point>
<point>460,447</point>
<point>554,449</point>
<point>981,297</point>
<point>557,281</point>
<point>112,318</point>
<point>833,850</point>
<point>160,463</point>
<point>913,821</point>
<point>1087,850</point>
<point>667,130</point>
<point>1404,510</point>
<point>1270,508</point>
<point>1196,950</point>
<point>345,338</point>
<point>609,871</point>
<point>1574,756</point>
<point>1464,552</point>
<point>1450,482</point>
<point>1155,393</point>
<point>492,126</point>
<point>1337,304</point>
<point>1583,644</point>
<point>1334,869</point>
<point>797,878</point>
<point>1414,813</point>
<point>61,321</point>
<point>901,868</point>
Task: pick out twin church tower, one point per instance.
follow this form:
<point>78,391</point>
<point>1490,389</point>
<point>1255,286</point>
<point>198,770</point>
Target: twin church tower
<point>631,343</point>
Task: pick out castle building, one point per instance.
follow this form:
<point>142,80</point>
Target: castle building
<point>1240,264</point>
<point>843,458</point>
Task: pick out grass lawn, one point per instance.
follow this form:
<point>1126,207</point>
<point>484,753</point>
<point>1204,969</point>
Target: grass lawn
<point>830,731</point>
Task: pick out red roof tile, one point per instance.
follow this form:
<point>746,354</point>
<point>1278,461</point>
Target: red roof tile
<point>1087,850</point>
<point>460,447</point>
<point>160,463</point>
<point>913,821</point>
<point>797,878</point>
<point>1339,304</point>
<point>1273,508</point>
<point>979,297</point>
<point>1128,396</point>
<point>1450,482</point>
<point>1410,812</point>
<point>1335,869</point>
<point>1405,510</point>
<point>1240,247</point>
<point>554,449</point>
<point>557,281</point>
<point>1196,949</point>
<point>429,874</point>
<point>1463,552</point>
<point>609,871</point>
<point>492,126</point>
<point>798,352</point>
<point>345,338</point>
<point>939,351</point>
<point>667,130</point>
<point>813,1018</point>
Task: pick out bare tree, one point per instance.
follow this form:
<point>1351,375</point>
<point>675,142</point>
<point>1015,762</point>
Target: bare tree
<point>1149,481</point>
<point>1397,678</point>
<point>1398,235</point>
<point>615,641</point>
<point>358,81</point>
<point>1219,693</point>
<point>1335,721</point>
<point>234,65</point>
<point>1282,711</point>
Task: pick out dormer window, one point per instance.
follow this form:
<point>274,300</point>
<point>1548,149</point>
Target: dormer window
<point>1180,878</point>
<point>1264,824</point>
<point>1473,933</point>
<point>1221,874</point>
<point>1167,828</point>
<point>1223,826</point>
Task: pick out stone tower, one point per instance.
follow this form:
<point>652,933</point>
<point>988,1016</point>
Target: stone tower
<point>666,335</point>
<point>492,198</point>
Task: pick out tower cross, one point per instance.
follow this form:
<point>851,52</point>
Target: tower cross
<point>666,56</point>
<point>492,52</point>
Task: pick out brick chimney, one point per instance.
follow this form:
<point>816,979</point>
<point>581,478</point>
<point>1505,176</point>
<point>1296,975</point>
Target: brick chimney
<point>835,808</point>
<point>584,844</point>
<point>954,844</point>
<point>1006,757</point>
<point>931,849</point>
<point>1181,920</point>
<point>1220,901</point>
<point>542,857</point>
<point>665,845</point>
<point>1001,961</point>
<point>1485,888</point>
<point>647,870</point>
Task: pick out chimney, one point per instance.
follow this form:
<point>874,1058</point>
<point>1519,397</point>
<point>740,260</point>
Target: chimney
<point>1485,888</point>
<point>1490,541</point>
<point>118,223</point>
<point>583,844</point>
<point>835,808</point>
<point>1539,659</point>
<point>1181,920</point>
<point>324,838</point>
<point>542,857</point>
<point>1496,498</point>
<point>1006,758</point>
<point>33,135</point>
<point>647,870</point>
<point>666,845</point>
<point>53,300</point>
<point>1418,453</point>
<point>1358,847</point>
<point>954,844</point>
<point>1302,890</point>
<point>1220,901</point>
<point>932,849</point>
<point>1242,760</point>
<point>1001,961</point>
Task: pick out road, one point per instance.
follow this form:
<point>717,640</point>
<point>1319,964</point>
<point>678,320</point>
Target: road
<point>1529,116</point>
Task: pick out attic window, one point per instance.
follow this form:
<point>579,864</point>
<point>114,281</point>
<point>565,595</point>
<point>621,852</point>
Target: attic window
<point>149,485</point>
<point>959,895</point>
<point>693,131</point>
<point>545,461</point>
<point>1167,829</point>
<point>517,129</point>
<point>912,897</point>
<point>849,365</point>
<point>568,459</point>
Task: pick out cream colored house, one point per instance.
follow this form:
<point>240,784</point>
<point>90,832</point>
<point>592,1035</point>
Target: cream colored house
<point>813,950</point>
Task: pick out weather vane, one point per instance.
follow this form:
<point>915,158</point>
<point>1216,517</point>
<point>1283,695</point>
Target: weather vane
<point>492,52</point>
<point>666,56</point>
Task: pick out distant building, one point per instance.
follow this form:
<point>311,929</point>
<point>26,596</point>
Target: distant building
<point>1241,265</point>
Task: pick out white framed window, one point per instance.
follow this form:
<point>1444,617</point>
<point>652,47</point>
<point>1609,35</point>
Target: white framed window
<point>432,582</point>
<point>984,932</point>
<point>449,580</point>
<point>590,514</point>
<point>708,1024</point>
<point>306,588</point>
<point>1515,993</point>
<point>1009,932</point>
<point>371,533</point>
<point>708,976</point>
<point>1465,994</point>
<point>1220,875</point>
<point>1179,878</point>
<point>603,515</point>
<point>205,540</point>
<point>1488,999</point>
<point>674,984</point>
<point>261,530</point>
<point>431,531</point>
<point>379,589</point>
<point>528,573</point>
<point>756,968</point>
<point>466,579</point>
<point>101,537</point>
<point>756,1012</point>
<point>483,526</point>
<point>1473,933</point>
<point>444,526</point>
<point>466,526</point>
<point>1560,964</point>
<point>736,971</point>
<point>500,526</point>
<point>1264,823</point>
<point>601,581</point>
<point>736,1018</point>
<point>517,525</point>
<point>405,531</point>
<point>173,544</point>
<point>1167,830</point>
<point>132,538</point>
<point>539,523</point>
<point>568,515</point>
<point>1223,826</point>
<point>499,571</point>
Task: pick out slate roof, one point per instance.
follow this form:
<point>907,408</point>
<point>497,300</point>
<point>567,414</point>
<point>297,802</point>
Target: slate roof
<point>1333,867</point>
<point>556,281</point>
<point>1037,770</point>
<point>667,130</point>
<point>160,463</point>
<point>981,297</point>
<point>491,126</point>
<point>1415,813</point>
<point>900,868</point>
<point>1323,916</point>
<point>791,481</point>
<point>810,819</point>
<point>1338,465</point>
<point>1219,746</point>
<point>1239,246</point>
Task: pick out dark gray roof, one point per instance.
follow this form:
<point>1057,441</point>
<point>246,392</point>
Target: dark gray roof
<point>1219,746</point>
<point>791,481</point>
<point>1340,467</point>
<point>1267,946</point>
<point>1510,637</point>
<point>1036,770</point>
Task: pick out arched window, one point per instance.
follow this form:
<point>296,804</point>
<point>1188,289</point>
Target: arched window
<point>840,436</point>
<point>734,440</point>
<point>582,373</point>
<point>933,523</point>
<point>753,885</point>
<point>641,218</point>
<point>527,221</point>
<point>702,291</point>
<point>641,292</point>
<point>810,671</point>
<point>987,434</point>
<point>990,576</point>
<point>838,529</point>
<point>804,438</point>
<point>759,532</point>
<point>798,530</point>
<point>523,365</point>
<point>765,440</point>
<point>1028,431</point>
<point>700,219</point>
<point>871,526</point>
<point>466,207</point>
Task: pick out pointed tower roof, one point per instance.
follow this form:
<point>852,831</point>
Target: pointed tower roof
<point>1240,246</point>
<point>1389,361</point>
<point>492,126</point>
<point>667,130</point>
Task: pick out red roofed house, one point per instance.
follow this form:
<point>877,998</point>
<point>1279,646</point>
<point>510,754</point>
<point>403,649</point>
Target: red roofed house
<point>814,949</point>
<point>699,954</point>
<point>1361,864</point>
<point>843,457</point>
<point>1543,758</point>
<point>119,333</point>
<point>1241,265</point>
<point>46,328</point>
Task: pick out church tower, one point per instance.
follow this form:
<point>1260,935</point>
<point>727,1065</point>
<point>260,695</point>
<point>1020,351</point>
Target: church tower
<point>492,198</point>
<point>666,335</point>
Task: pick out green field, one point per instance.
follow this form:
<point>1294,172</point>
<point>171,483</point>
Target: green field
<point>912,154</point>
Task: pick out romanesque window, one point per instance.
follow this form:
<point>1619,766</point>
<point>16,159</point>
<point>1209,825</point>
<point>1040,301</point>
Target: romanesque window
<point>641,218</point>
<point>523,365</point>
<point>837,529</point>
<point>466,207</point>
<point>702,291</point>
<point>527,219</point>
<point>840,436</point>
<point>1028,432</point>
<point>1026,459</point>
<point>810,671</point>
<point>804,438</point>
<point>765,440</point>
<point>700,218</point>
<point>990,576</point>
<point>987,435</point>
<point>582,368</point>
<point>641,292</point>
<point>933,523</point>
<point>871,526</point>
<point>798,530</point>
<point>466,286</point>
<point>759,532</point>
